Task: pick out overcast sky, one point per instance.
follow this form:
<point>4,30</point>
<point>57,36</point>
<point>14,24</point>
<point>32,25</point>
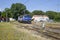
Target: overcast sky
<point>44,5</point>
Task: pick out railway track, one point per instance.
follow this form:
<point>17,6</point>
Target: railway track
<point>52,34</point>
<point>48,32</point>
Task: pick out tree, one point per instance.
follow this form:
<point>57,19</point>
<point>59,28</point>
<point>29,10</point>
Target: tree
<point>27,12</point>
<point>17,9</point>
<point>57,18</point>
<point>37,12</point>
<point>3,14</point>
<point>0,13</point>
<point>8,12</point>
<point>51,14</point>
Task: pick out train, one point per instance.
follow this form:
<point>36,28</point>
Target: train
<point>25,18</point>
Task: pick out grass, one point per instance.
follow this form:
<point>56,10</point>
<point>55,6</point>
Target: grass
<point>53,25</point>
<point>5,25</point>
<point>7,32</point>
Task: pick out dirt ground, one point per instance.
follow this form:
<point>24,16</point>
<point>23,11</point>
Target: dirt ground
<point>34,28</point>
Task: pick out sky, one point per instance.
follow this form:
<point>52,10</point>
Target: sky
<point>31,5</point>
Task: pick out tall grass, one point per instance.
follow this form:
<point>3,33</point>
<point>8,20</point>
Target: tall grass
<point>7,32</point>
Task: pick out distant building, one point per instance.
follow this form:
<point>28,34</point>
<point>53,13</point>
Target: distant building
<point>40,18</point>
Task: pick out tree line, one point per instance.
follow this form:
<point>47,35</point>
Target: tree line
<point>18,9</point>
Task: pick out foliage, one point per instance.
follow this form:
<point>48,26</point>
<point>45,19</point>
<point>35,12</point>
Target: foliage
<point>53,15</point>
<point>37,12</point>
<point>3,14</point>
<point>17,9</point>
<point>0,13</point>
<point>8,12</point>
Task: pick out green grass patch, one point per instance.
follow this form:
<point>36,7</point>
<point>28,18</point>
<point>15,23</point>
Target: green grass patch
<point>6,25</point>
